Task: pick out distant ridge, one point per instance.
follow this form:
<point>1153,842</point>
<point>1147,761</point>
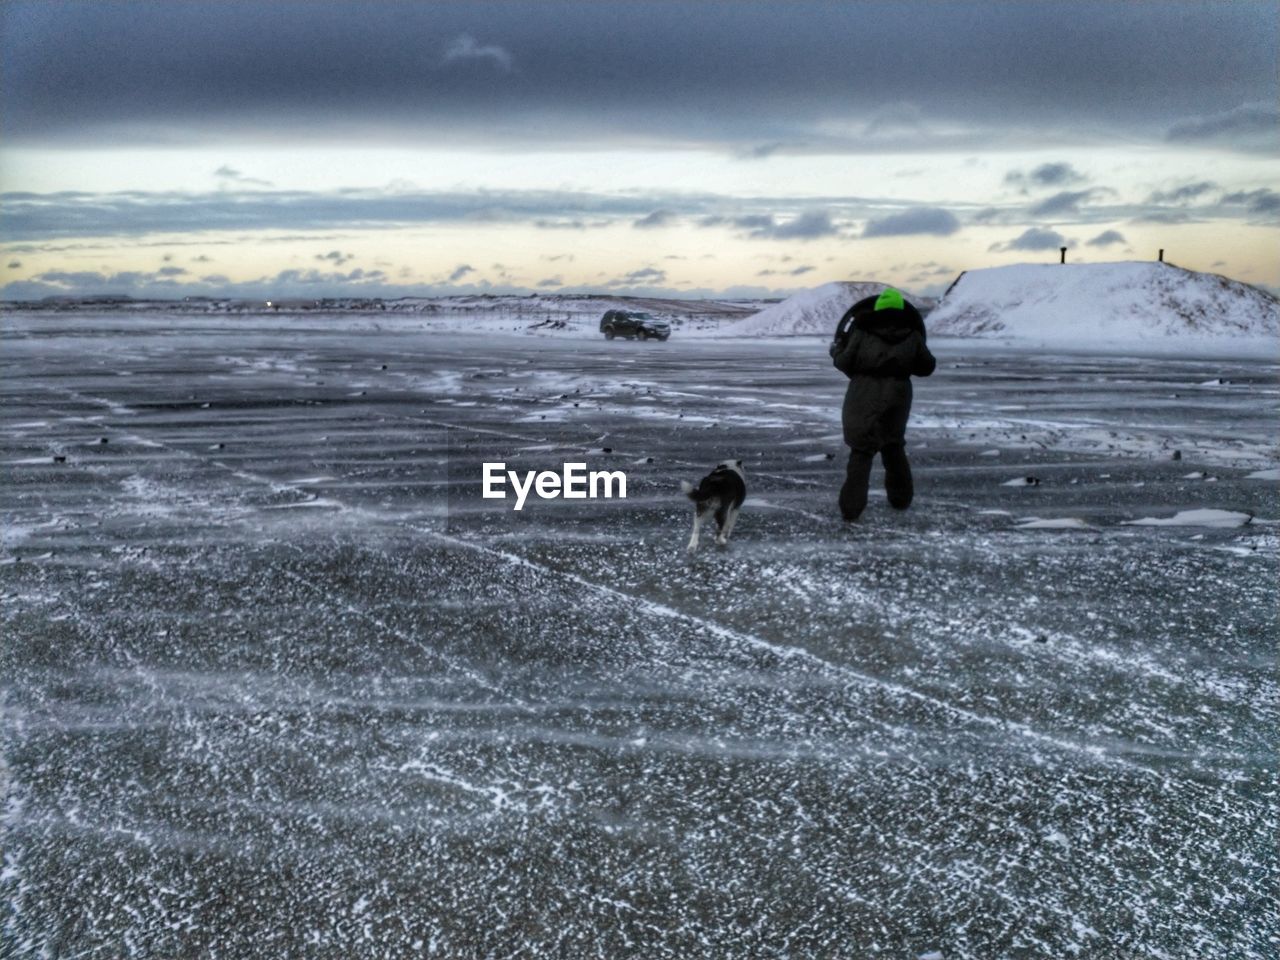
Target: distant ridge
<point>1104,303</point>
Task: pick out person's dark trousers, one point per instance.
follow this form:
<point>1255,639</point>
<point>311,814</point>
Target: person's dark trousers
<point>853,495</point>
<point>897,480</point>
<point>897,476</point>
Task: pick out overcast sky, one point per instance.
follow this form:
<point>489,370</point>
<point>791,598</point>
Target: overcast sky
<point>285,149</point>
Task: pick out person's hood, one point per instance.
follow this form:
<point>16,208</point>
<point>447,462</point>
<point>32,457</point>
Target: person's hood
<point>892,325</point>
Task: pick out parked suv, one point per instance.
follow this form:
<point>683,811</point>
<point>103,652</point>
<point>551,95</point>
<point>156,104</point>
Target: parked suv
<point>627,323</point>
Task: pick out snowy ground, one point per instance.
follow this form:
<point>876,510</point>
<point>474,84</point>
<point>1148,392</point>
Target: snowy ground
<point>273,687</point>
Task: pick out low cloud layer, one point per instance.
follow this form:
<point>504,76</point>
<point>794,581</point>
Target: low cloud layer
<point>27,217</point>
<point>1249,126</point>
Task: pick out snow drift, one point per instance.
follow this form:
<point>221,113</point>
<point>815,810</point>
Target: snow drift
<point>1098,304</point>
<point>808,313</point>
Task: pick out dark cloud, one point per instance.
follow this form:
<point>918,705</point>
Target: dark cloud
<point>337,257</point>
<point>1045,175</point>
<point>1183,194</point>
<point>1066,202</point>
<point>808,226</point>
<point>921,220</point>
<point>1249,126</point>
<point>551,282</point>
<point>460,271</point>
<point>15,264</point>
<point>1263,201</point>
<point>659,218</point>
<point>765,226</point>
<point>1035,238</point>
<point>748,77</point>
<point>171,271</point>
<point>1106,239</point>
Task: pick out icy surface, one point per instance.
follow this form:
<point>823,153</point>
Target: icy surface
<point>1056,523</point>
<point>1098,305</point>
<point>271,690</point>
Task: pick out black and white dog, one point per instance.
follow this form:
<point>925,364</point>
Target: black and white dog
<point>720,492</point>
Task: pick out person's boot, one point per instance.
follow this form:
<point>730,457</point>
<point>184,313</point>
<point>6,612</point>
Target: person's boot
<point>897,476</point>
<point>853,495</point>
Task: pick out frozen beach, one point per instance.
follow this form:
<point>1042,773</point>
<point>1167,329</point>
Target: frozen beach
<point>277,683</point>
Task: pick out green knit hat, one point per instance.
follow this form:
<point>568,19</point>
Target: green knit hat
<point>889,299</point>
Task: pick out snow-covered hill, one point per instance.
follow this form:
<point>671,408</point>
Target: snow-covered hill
<point>808,313</point>
<point>1102,304</point>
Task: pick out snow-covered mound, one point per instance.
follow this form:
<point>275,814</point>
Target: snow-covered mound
<point>808,313</point>
<point>1097,304</point>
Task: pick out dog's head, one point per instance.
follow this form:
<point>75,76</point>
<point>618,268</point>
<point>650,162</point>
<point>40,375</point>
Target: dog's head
<point>734,465</point>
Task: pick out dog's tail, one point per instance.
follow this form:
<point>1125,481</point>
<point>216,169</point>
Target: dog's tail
<point>687,489</point>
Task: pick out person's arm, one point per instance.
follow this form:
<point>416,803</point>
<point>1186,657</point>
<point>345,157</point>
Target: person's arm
<point>846,358</point>
<point>925,362</point>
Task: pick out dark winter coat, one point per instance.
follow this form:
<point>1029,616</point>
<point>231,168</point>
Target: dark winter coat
<point>883,351</point>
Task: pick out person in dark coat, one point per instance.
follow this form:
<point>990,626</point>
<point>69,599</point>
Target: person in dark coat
<point>882,350</point>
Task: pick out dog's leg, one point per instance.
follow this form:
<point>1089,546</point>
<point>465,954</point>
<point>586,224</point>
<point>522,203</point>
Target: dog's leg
<point>698,516</point>
<point>722,513</point>
<point>730,520</point>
